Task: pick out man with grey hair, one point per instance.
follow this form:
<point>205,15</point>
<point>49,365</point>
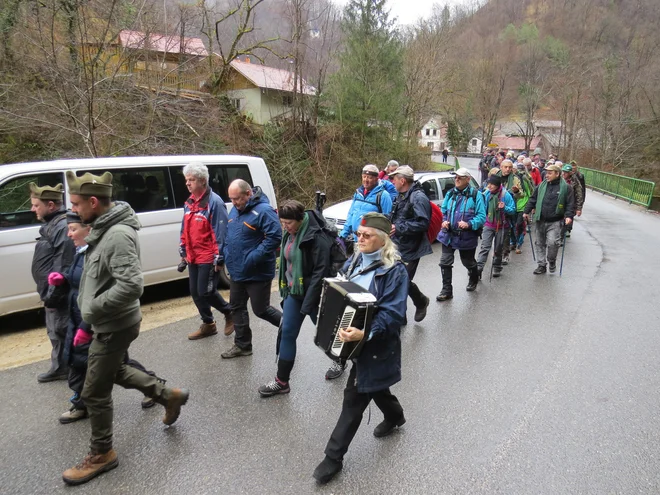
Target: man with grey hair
<point>391,166</point>
<point>253,236</point>
<point>203,232</point>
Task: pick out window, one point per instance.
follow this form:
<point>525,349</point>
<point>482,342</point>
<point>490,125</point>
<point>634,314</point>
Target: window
<point>435,132</point>
<point>428,132</point>
<point>447,184</point>
<point>474,142</point>
<point>220,176</point>
<point>145,189</point>
<point>287,101</point>
<point>15,205</point>
<point>236,103</point>
<point>431,189</point>
<point>429,144</point>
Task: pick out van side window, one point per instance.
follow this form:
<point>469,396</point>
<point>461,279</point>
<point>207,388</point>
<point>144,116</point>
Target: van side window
<point>220,176</point>
<point>145,189</point>
<point>15,199</point>
<point>431,189</point>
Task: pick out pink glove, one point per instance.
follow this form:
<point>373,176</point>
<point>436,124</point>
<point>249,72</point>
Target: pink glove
<point>56,279</point>
<point>81,338</point>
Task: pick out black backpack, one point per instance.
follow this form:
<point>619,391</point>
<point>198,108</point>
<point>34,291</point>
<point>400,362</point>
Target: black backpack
<point>337,250</point>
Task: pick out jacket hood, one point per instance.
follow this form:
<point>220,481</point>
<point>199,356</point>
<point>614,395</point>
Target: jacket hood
<point>120,213</point>
<point>257,197</point>
<point>316,223</point>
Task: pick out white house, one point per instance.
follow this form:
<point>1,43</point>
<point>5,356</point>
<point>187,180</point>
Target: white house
<point>433,135</point>
<point>474,145</point>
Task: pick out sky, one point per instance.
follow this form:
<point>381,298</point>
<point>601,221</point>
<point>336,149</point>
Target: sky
<point>408,11</point>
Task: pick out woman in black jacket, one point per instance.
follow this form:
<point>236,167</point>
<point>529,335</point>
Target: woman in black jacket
<point>304,262</point>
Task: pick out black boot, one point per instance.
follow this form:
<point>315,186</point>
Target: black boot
<point>474,276</point>
<point>446,292</point>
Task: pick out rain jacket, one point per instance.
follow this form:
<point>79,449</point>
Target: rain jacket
<point>54,251</point>
<point>112,282</point>
<point>468,206</point>
<point>253,236</point>
<point>411,215</point>
<point>509,207</point>
<point>364,202</point>
<point>203,229</point>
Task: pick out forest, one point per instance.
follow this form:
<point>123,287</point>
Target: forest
<point>362,84</point>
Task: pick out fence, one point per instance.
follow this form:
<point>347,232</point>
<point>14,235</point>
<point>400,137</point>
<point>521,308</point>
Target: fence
<point>628,188</point>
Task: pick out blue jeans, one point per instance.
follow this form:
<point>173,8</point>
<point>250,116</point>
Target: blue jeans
<point>292,320</point>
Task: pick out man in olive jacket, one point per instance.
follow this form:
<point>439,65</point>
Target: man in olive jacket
<point>109,294</point>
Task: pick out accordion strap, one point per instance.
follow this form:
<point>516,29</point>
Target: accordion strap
<point>373,266</point>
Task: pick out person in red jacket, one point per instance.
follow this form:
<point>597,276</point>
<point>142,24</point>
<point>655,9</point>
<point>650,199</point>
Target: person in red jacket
<point>533,171</point>
<point>203,232</point>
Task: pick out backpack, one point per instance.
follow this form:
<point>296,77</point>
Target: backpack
<point>377,203</point>
<point>435,223</point>
<point>337,250</point>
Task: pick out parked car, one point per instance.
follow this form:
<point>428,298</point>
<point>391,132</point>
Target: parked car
<point>435,185</point>
<point>155,188</point>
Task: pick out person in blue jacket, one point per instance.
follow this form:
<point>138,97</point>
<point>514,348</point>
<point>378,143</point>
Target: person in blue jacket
<point>500,207</point>
<point>253,236</point>
<point>371,196</point>
<point>377,268</point>
<point>464,213</point>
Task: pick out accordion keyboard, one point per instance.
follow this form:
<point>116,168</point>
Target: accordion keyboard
<point>346,321</point>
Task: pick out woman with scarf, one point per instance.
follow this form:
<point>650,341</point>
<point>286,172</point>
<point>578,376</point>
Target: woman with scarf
<point>304,263</point>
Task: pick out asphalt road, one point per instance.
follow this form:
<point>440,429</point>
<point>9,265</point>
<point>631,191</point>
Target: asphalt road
<point>531,384</point>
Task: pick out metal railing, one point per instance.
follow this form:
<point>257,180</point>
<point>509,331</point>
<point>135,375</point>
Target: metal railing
<point>633,190</point>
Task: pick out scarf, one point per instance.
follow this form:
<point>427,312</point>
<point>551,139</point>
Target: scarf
<point>561,203</point>
<point>492,205</point>
<point>297,288</point>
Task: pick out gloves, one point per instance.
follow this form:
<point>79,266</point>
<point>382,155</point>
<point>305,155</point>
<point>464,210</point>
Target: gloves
<point>56,279</point>
<point>81,338</point>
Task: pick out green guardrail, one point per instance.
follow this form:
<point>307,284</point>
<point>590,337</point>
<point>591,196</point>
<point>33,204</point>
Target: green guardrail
<point>633,190</point>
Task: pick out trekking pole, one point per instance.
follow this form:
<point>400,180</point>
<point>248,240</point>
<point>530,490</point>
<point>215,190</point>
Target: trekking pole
<point>531,242</point>
<point>492,261</point>
<point>563,247</point>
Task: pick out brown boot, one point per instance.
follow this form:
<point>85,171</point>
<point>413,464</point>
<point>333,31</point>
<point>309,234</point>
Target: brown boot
<point>173,407</point>
<point>90,467</point>
<point>229,324</point>
<point>205,330</point>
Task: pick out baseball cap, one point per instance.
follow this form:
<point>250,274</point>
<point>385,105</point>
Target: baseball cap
<point>370,170</point>
<point>462,172</point>
<point>404,170</point>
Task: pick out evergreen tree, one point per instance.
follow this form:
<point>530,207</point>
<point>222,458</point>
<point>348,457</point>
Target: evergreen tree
<point>367,89</point>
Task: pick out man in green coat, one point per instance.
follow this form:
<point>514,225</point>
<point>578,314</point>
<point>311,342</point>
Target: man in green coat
<point>110,289</point>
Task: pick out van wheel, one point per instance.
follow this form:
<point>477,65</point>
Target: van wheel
<point>223,282</point>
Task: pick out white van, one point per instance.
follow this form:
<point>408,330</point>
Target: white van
<point>153,185</point>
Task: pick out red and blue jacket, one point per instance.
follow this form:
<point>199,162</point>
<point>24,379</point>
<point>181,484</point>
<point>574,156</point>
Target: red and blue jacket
<point>203,229</point>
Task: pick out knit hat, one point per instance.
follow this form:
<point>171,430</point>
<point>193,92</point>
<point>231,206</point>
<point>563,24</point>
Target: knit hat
<point>47,193</point>
<point>404,171</point>
<point>553,168</point>
<point>72,217</point>
<point>495,180</point>
<point>376,221</point>
<point>370,170</point>
<point>90,185</point>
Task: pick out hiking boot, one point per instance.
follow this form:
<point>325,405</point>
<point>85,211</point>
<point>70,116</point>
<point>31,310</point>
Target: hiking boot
<point>497,271</point>
<point>552,266</point>
<point>205,330</point>
<point>474,275</point>
<point>229,324</point>
<point>51,376</point>
<point>147,402</point>
<point>73,415</point>
<point>91,466</point>
<point>540,270</point>
<point>387,427</point>
<point>444,295</point>
<point>327,470</point>
<point>335,371</point>
<point>420,312</point>
<point>505,260</point>
<point>274,388</point>
<point>568,234</point>
<point>236,351</point>
<point>173,407</point>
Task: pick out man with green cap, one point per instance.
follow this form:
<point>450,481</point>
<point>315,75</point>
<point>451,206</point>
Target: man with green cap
<point>110,288</point>
<point>53,252</point>
<point>568,175</point>
<point>554,206</point>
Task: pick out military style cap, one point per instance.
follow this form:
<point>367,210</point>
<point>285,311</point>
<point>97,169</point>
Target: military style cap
<point>47,193</point>
<point>405,171</point>
<point>567,168</point>
<point>553,168</point>
<point>376,221</point>
<point>90,185</point>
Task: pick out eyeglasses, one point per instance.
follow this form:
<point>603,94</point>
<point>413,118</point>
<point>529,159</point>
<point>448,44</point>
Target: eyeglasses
<point>364,234</point>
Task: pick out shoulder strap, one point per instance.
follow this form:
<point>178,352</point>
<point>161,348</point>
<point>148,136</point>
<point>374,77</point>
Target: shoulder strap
<point>378,195</point>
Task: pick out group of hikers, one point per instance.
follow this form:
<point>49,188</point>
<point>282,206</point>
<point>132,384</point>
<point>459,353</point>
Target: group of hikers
<point>87,270</point>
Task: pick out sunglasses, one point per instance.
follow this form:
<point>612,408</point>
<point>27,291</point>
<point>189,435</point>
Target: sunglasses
<point>364,234</point>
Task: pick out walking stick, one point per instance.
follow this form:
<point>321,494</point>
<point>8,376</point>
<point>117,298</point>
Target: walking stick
<point>563,247</point>
<point>531,242</point>
<point>492,261</point>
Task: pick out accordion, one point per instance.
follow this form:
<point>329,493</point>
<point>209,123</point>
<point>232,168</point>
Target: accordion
<point>343,304</point>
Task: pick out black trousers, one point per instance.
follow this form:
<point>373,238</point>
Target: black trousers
<point>413,291</point>
<point>204,291</point>
<point>259,295</point>
<point>351,414</point>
